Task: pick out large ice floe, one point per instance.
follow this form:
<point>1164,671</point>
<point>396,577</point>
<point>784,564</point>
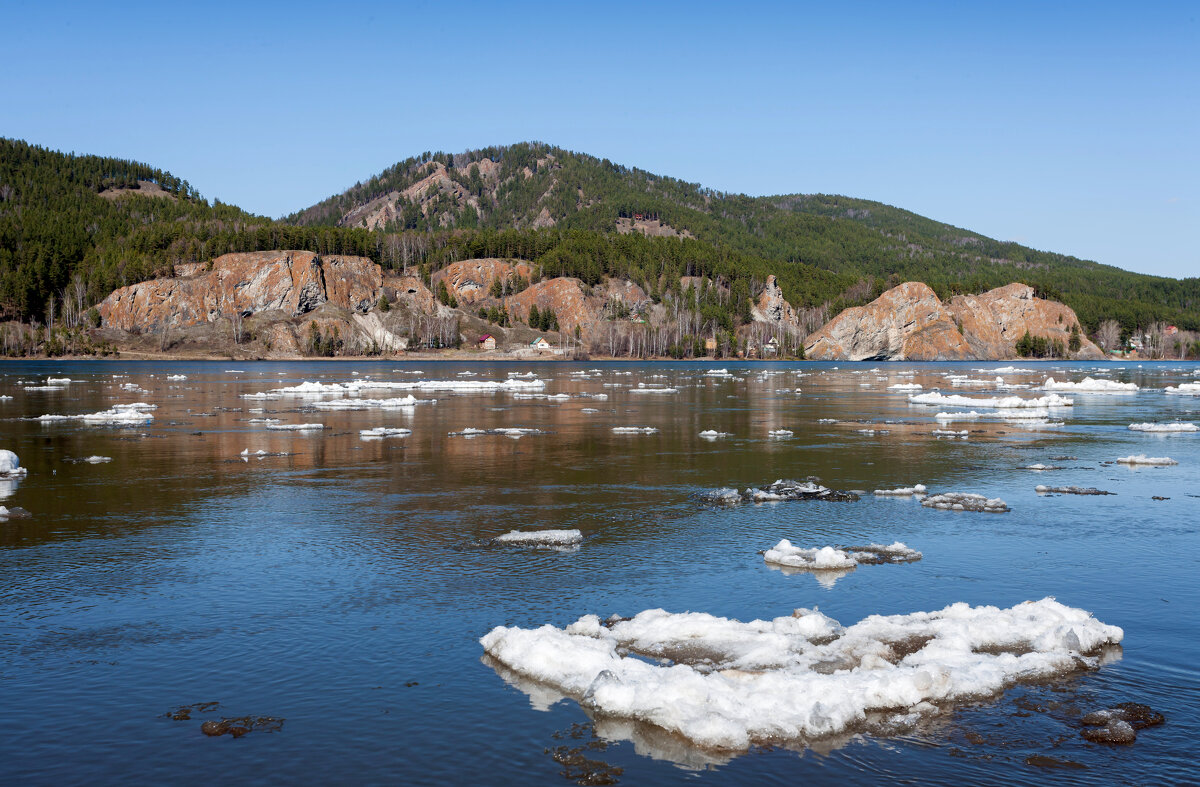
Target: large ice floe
<point>309,388</point>
<point>380,432</point>
<point>780,490</point>
<point>966,501</point>
<point>1172,426</point>
<point>1184,388</point>
<point>132,414</point>
<point>1142,459</point>
<point>296,427</point>
<point>395,403</point>
<point>726,684</point>
<point>10,465</point>
<point>997,403</point>
<point>1089,385</point>
<point>538,539</point>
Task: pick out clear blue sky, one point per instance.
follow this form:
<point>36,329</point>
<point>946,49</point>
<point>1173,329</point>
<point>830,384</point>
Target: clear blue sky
<point>1071,127</point>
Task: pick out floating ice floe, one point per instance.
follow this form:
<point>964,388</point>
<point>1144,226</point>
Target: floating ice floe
<point>905,387</point>
<point>5,397</point>
<point>717,373</point>
<point>1089,385</point>
<point>396,403</point>
<point>968,416</point>
<point>589,410</point>
<point>712,434</point>
<point>540,538</point>
<point>1184,388</point>
<point>835,558</point>
<point>10,465</point>
<point>176,377</point>
<point>1042,489</point>
<point>780,490</point>
<point>904,491</point>
<point>1007,370</point>
<point>1142,459</point>
<point>998,403</point>
<point>380,432</point>
<point>553,397</point>
<point>780,433</point>
<point>119,415</point>
<point>512,431</point>
<point>96,460</point>
<point>966,501</point>
<point>1040,467</point>
<point>1173,426</point>
<point>951,433</point>
<point>264,421</point>
<point>726,684</point>
<point>309,388</point>
<point>641,389</point>
<point>296,427</point>
<point>16,512</point>
<point>634,430</point>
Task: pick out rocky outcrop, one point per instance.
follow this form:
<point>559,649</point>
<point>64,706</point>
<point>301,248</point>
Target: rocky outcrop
<point>290,282</point>
<point>910,323</point>
<point>906,323</point>
<point>994,321</point>
<point>772,306</point>
<point>470,281</point>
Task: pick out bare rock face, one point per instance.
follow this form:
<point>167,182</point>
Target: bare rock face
<point>909,323</point>
<point>561,295</point>
<point>470,281</point>
<point>772,306</point>
<point>291,282</point>
<point>994,321</point>
<point>906,323</point>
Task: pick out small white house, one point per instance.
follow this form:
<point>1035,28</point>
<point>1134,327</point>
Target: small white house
<point>540,343</point>
<point>487,342</point>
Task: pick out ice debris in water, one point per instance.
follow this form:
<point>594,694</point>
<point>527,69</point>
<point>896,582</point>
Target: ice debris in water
<point>968,416</point>
<point>634,429</point>
<point>1184,388</point>
<point>296,427</point>
<point>1089,385</point>
<point>816,559</point>
<point>1038,466</point>
<point>998,403</point>
<point>1042,489</point>
<point>380,432</point>
<point>512,431</point>
<point>905,387</point>
<point>1142,459</point>
<point>95,460</point>
<point>396,403</point>
<point>802,676</point>
<point>309,388</point>
<point>904,491</point>
<point>175,377</point>
<point>119,415</point>
<point>641,389</point>
<point>540,538</point>
<point>780,490</point>
<point>712,434</point>
<point>10,465</point>
<point>16,512</point>
<point>780,433</point>
<point>966,501</point>
<point>1173,426</point>
<point>1119,723</point>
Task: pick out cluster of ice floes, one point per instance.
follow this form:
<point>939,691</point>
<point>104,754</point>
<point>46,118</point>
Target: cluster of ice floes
<point>834,558</point>
<point>996,403</point>
<point>514,432</point>
<point>538,539</point>
<point>904,491</point>
<point>966,501</point>
<point>1089,385</point>
<point>1042,489</point>
<point>118,415</point>
<point>380,432</point>
<point>780,490</point>
<point>1184,388</point>
<point>727,684</point>
<point>1169,427</point>
<point>1142,459</point>
<point>309,388</point>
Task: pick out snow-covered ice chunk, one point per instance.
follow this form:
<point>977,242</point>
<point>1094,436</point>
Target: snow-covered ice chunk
<point>734,684</point>
<point>998,403</point>
<point>904,491</point>
<point>296,427</point>
<point>1142,459</point>
<point>905,387</point>
<point>966,501</point>
<point>1042,489</point>
<point>780,433</point>
<point>634,429</point>
<point>380,432</point>
<point>968,416</point>
<point>175,377</point>
<point>1172,426</point>
<point>1184,388</point>
<point>1089,385</point>
<point>814,559</point>
<point>642,390</point>
<point>95,460</point>
<point>712,434</point>
<point>10,465</point>
<point>540,538</point>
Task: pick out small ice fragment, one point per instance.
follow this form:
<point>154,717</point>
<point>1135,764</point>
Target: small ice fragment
<point>965,501</point>
<point>904,491</point>
<point>1142,459</point>
<point>1173,426</point>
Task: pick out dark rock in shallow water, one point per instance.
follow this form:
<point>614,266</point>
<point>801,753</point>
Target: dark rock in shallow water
<point>214,728</point>
<point>1052,763</point>
<point>1071,490</point>
<point>1137,715</point>
<point>1115,732</point>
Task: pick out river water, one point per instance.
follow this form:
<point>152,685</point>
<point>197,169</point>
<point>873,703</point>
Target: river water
<point>337,583</point>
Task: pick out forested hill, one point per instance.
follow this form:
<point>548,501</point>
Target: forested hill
<point>532,185</point>
<point>74,227</point>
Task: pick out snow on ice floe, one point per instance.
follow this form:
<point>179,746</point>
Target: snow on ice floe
<point>1172,426</point>
<point>10,465</point>
<point>514,432</point>
<point>119,415</point>
<point>967,416</point>
<point>905,387</point>
<point>1007,370</point>
<point>951,433</point>
<point>642,389</point>
<point>1089,385</point>
<point>1039,467</point>
<point>395,403</point>
<point>380,432</point>
<point>309,388</point>
<point>634,430</point>
<point>1042,489</point>
<point>778,491</point>
<point>540,538</point>
<point>176,377</point>
<point>713,434</point>
<point>904,491</point>
<point>732,684</point>
<point>780,433</point>
<point>835,558</point>
<point>998,403</point>
<point>95,460</point>
<point>296,427</point>
<point>1184,388</point>
<point>966,501</point>
<point>1142,459</point>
